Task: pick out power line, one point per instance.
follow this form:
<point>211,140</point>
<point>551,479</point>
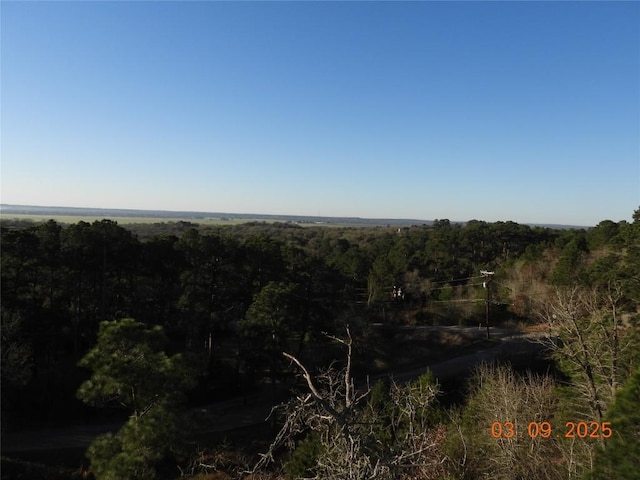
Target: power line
<point>458,286</point>
<point>455,280</point>
<point>520,293</point>
<point>473,300</point>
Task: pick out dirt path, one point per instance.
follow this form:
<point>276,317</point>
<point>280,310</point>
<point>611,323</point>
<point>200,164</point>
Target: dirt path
<point>240,413</point>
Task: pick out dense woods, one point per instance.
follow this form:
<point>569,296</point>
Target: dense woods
<point>210,311</point>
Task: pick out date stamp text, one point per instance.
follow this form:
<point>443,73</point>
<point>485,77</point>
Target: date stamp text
<point>545,430</point>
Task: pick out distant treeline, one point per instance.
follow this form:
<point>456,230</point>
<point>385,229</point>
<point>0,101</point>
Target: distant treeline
<point>179,215</point>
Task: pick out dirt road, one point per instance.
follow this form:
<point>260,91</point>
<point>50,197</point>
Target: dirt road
<point>48,444</point>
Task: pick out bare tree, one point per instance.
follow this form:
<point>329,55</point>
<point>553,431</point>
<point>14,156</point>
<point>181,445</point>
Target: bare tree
<point>586,336</point>
<point>350,429</point>
<point>506,425</point>
<point>594,347</point>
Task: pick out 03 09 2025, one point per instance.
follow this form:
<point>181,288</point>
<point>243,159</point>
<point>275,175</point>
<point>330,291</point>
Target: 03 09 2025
<point>571,429</point>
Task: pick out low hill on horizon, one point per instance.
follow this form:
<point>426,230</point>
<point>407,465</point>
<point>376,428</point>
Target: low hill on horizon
<point>6,210</point>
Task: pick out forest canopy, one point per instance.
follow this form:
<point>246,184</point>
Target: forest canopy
<point>231,299</point>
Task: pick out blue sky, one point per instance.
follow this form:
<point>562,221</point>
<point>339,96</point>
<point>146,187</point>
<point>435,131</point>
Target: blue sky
<point>523,111</point>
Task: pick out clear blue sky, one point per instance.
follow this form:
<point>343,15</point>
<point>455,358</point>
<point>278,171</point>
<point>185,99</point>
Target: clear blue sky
<point>523,111</point>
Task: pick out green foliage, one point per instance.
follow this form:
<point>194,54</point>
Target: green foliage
<point>136,451</point>
<point>15,351</point>
<point>273,316</point>
<point>349,259</point>
<point>603,234</point>
<point>130,368</point>
<point>571,262</point>
<point>620,458</point>
<point>379,412</point>
<point>281,285</point>
<point>302,461</point>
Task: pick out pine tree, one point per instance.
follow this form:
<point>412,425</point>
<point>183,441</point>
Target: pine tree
<point>130,369</point>
<point>620,458</point>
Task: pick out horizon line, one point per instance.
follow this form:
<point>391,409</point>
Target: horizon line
<point>113,212</point>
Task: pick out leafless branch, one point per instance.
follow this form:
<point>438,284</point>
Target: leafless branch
<point>349,433</point>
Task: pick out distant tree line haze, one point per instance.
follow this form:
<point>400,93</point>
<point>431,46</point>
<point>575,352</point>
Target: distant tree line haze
<point>146,324</point>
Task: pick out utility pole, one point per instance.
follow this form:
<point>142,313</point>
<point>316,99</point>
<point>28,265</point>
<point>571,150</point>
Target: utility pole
<point>487,275</point>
